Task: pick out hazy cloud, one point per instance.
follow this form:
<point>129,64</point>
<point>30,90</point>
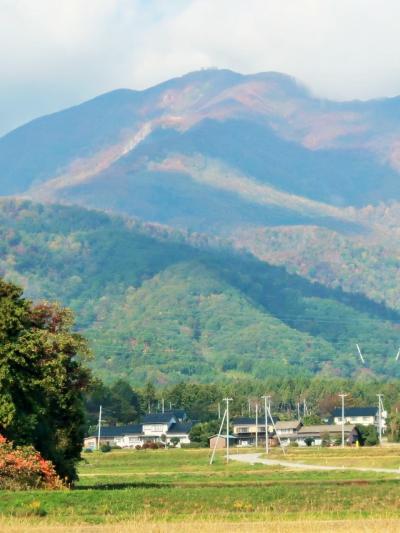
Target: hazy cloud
<point>54,53</point>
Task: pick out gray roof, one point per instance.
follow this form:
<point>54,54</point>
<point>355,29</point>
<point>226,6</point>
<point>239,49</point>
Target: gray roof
<point>287,424</point>
<point>325,428</point>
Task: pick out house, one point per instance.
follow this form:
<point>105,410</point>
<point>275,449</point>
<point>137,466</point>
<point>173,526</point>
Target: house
<point>220,442</point>
<point>155,427</point>
<point>287,430</point>
<point>332,432</point>
<point>367,416</point>
<point>245,429</point>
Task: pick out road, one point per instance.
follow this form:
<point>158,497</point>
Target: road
<point>253,458</point>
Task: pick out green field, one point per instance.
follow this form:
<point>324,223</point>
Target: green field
<point>180,487</point>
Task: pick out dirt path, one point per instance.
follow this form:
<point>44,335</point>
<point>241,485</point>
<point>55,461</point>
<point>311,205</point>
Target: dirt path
<point>253,458</point>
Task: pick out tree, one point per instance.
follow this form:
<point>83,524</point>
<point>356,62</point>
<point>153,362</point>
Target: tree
<point>394,427</point>
<point>368,435</point>
<point>42,379</point>
<point>125,403</point>
<point>200,433</point>
<point>309,441</point>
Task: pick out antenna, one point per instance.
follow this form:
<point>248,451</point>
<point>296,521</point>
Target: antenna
<point>360,354</point>
<point>398,355</point>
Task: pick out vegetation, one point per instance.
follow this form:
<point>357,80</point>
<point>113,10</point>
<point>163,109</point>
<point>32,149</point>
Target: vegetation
<point>358,263</point>
<point>179,485</point>
<point>41,379</point>
<point>24,468</point>
<point>161,306</point>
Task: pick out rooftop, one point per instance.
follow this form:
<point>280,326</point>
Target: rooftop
<point>325,428</point>
<point>355,411</point>
<point>288,424</point>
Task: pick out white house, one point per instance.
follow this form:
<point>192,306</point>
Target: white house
<point>367,416</point>
<point>156,427</point>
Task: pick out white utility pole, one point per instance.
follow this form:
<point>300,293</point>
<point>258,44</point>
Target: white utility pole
<point>256,424</point>
<point>276,433</point>
<point>398,355</point>
<point>99,429</point>
<point>249,403</point>
<point>380,405</point>
<point>162,404</point>
<point>218,437</point>
<point>219,411</point>
<point>227,400</point>
<point>343,397</point>
<point>266,400</point>
<point>360,354</point>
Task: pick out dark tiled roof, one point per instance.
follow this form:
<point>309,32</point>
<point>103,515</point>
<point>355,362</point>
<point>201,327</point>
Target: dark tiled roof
<point>118,431</point>
<point>158,418</point>
<point>248,420</point>
<point>355,411</point>
<point>180,428</point>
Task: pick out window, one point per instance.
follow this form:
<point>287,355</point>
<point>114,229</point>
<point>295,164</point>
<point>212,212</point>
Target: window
<point>242,429</point>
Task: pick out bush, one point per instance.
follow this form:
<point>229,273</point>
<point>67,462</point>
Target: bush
<point>105,448</point>
<point>175,441</point>
<point>151,446</point>
<point>23,468</point>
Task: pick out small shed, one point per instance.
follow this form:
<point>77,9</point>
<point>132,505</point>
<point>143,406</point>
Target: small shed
<point>220,442</point>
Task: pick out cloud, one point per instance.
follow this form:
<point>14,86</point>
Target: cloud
<point>54,53</point>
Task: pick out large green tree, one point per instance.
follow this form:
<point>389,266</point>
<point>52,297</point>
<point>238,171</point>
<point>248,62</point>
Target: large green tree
<point>42,379</point>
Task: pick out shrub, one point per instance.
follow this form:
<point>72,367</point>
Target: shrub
<point>23,468</point>
<point>175,441</point>
<point>105,448</point>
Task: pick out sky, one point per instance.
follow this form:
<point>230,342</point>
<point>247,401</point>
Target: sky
<point>57,53</point>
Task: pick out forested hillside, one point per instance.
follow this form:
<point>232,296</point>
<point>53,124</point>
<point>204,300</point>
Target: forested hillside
<point>162,305</point>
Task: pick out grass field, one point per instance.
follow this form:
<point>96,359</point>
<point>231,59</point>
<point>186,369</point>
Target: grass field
<point>178,490</point>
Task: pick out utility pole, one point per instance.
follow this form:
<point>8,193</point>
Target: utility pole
<point>162,404</point>
<point>360,354</point>
<point>298,411</point>
<point>149,407</point>
<point>256,424</point>
<point>219,411</point>
<point>380,405</point>
<point>227,400</point>
<point>398,355</point>
<point>99,429</point>
<point>249,404</point>
<point>266,400</point>
<point>343,397</point>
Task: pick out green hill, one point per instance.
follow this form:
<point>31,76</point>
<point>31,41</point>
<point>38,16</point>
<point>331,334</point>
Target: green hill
<point>158,304</point>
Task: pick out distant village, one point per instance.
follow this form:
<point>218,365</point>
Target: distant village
<point>172,429</point>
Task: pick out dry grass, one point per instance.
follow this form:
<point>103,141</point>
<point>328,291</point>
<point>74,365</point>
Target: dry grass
<point>147,526</point>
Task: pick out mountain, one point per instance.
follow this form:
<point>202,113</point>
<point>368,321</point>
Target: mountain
<point>160,304</point>
<point>304,184</point>
<point>213,151</point>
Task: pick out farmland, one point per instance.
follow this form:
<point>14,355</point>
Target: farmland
<point>157,489</point>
